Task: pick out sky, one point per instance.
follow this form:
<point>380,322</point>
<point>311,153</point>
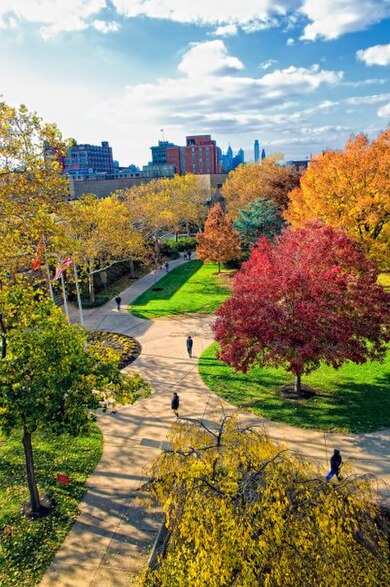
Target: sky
<point>298,75</point>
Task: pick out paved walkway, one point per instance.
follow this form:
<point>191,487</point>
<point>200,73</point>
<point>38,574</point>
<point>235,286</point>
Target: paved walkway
<point>110,541</point>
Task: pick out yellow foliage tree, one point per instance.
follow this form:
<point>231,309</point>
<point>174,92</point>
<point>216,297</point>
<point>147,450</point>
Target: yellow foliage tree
<point>241,510</point>
<point>31,185</point>
<point>350,190</point>
<point>100,232</point>
<point>266,179</point>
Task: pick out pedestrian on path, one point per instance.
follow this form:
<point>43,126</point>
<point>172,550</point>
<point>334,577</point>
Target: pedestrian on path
<point>335,464</point>
<point>118,300</point>
<point>175,404</point>
<point>189,255</point>
<point>185,256</point>
<point>166,266</point>
<point>190,344</point>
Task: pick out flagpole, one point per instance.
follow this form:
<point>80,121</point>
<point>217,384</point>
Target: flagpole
<point>78,294</point>
<point>47,269</point>
<point>64,295</point>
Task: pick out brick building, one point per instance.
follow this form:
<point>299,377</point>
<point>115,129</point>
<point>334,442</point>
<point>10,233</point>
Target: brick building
<point>87,159</point>
<point>200,156</point>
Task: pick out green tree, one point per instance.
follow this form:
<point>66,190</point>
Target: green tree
<point>218,242</point>
<point>242,510</point>
<point>260,218</point>
<point>49,377</point>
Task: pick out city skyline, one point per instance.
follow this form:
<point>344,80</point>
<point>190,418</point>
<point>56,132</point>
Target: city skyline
<point>299,77</point>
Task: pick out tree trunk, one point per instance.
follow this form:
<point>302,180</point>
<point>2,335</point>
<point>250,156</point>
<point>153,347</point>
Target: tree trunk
<point>132,270</point>
<point>297,385</point>
<point>91,284</point>
<point>219,266</point>
<point>188,229</point>
<point>176,236</point>
<point>31,481</point>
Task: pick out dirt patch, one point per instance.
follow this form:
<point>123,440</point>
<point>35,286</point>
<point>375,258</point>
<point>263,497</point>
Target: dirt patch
<point>288,392</point>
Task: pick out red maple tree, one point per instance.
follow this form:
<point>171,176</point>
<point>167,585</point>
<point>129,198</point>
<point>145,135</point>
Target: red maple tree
<point>218,242</point>
<point>311,297</point>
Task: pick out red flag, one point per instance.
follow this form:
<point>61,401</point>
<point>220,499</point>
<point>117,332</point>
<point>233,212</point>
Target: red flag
<point>62,267</point>
<point>38,255</point>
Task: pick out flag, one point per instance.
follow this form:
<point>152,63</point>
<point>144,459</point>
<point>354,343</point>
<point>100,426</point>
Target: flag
<point>62,267</point>
<point>38,254</point>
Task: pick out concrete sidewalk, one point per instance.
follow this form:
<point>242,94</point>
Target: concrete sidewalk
<point>111,540</point>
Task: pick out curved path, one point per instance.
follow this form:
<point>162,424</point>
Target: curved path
<point>110,541</point>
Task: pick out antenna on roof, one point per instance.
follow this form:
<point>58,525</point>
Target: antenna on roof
<point>162,134</point>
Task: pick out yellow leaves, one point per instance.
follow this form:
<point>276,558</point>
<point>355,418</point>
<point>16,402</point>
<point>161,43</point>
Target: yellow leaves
<point>351,191</point>
<point>246,513</point>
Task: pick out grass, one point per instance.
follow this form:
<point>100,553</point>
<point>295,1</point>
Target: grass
<point>354,398</point>
<point>192,287</point>
<point>27,546</point>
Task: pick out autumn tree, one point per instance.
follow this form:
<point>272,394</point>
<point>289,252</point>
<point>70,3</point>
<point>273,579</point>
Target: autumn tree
<point>100,232</point>
<point>260,218</point>
<point>218,242</point>
<point>265,179</point>
<point>31,185</point>
<point>50,378</point>
<point>350,190</point>
<point>242,510</point>
<point>311,297</point>
<point>164,205</point>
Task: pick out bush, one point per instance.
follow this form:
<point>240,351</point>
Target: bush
<point>183,244</point>
<point>100,300</point>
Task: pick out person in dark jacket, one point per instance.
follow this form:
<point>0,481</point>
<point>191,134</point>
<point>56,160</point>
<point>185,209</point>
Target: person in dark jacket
<point>190,343</point>
<point>118,300</point>
<point>335,464</point>
<point>166,265</point>
<point>175,404</point>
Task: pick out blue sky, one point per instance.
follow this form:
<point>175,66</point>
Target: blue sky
<point>299,75</point>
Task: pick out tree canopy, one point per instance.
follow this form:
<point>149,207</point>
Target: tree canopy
<point>260,218</point>
<point>350,190</point>
<point>265,179</point>
<point>218,242</point>
<point>31,185</point>
<point>310,297</point>
<point>242,510</point>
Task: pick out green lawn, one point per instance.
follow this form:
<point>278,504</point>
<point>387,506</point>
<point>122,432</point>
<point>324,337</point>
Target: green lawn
<point>354,398</point>
<point>27,546</point>
<point>190,288</point>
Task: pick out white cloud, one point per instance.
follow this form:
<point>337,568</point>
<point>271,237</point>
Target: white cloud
<point>267,64</point>
<point>366,100</point>
<point>366,82</point>
<point>290,41</point>
<point>384,111</point>
<point>212,96</point>
<point>54,16</point>
<point>105,27</point>
<point>210,58</point>
<point>218,12</point>
<point>376,55</point>
<point>332,18</point>
<point>227,30</point>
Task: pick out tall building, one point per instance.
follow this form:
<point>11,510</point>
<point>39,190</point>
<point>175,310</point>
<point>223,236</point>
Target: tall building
<point>200,156</point>
<point>159,152</point>
<point>86,159</point>
<point>263,155</point>
<point>256,149</point>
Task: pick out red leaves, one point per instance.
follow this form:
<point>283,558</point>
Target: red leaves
<point>219,242</point>
<point>312,296</point>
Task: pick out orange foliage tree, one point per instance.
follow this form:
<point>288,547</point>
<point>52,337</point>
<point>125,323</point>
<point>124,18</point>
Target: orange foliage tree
<point>219,242</point>
<point>350,190</point>
<point>267,179</point>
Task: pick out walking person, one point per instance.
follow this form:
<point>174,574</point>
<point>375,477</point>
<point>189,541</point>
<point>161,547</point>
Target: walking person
<point>190,344</point>
<point>166,265</point>
<point>335,464</point>
<point>118,301</point>
<point>189,255</point>
<point>175,404</point>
